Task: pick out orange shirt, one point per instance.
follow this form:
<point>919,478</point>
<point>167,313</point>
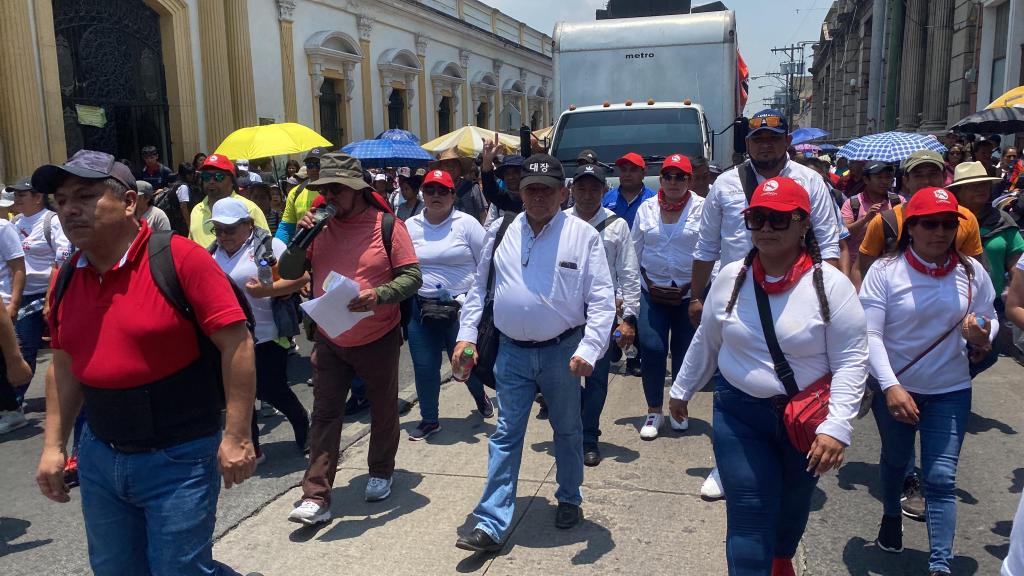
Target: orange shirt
<point>968,236</point>
<point>354,248</point>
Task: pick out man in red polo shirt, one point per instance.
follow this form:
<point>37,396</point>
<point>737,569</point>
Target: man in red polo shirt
<point>149,456</point>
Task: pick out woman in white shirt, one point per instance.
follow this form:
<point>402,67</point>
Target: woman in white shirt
<point>929,312</point>
<point>448,245</point>
<point>664,235</point>
<point>820,328</point>
<point>237,245</point>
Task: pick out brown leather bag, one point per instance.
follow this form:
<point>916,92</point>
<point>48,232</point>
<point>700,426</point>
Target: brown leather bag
<point>664,295</point>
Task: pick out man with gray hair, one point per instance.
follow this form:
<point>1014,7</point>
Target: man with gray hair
<point>156,217</point>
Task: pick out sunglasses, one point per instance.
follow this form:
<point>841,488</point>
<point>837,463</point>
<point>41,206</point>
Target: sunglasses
<point>436,191</point>
<point>769,121</point>
<point>934,224</point>
<point>216,176</point>
<point>675,177</point>
<point>313,164</point>
<point>778,220</point>
<point>226,230</point>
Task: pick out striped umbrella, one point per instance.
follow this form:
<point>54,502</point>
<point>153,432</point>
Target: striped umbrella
<point>1003,120</point>
<point>468,141</point>
<point>891,147</point>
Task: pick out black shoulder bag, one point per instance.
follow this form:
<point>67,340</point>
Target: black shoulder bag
<point>487,334</point>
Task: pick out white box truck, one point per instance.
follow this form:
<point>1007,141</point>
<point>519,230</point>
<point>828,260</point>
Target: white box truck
<point>654,86</point>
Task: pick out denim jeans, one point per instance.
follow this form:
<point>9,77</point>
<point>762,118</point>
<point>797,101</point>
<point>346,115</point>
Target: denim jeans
<point>30,337</point>
<point>654,327</point>
<point>595,390</point>
<point>942,425</point>
<point>150,513</point>
<point>767,487</point>
<point>519,371</point>
<point>427,341</point>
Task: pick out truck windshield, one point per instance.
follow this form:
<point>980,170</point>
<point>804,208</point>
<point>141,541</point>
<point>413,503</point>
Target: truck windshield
<point>613,133</point>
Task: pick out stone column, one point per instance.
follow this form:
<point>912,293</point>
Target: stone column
<point>940,55</point>
<point>52,99</point>
<point>421,53</point>
<point>286,11</point>
<point>467,104</point>
<point>366,70</point>
<point>213,46</point>
<point>243,92</point>
<point>912,66</point>
<point>22,114</point>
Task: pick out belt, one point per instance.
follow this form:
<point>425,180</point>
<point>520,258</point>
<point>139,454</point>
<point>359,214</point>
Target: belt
<point>542,344</point>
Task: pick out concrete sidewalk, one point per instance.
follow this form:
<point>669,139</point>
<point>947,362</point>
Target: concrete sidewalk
<point>642,509</point>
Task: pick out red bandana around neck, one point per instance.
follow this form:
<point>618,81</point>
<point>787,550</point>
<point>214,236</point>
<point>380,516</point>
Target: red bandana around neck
<point>923,268</point>
<point>802,265</point>
<point>672,206</point>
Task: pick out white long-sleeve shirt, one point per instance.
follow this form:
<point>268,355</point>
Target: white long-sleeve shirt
<point>448,252</point>
<point>665,251</point>
<point>564,284</point>
<point>907,311</point>
<point>723,234</point>
<point>622,261</point>
<point>735,343</point>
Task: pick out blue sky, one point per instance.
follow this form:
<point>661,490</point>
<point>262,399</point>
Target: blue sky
<point>761,25</point>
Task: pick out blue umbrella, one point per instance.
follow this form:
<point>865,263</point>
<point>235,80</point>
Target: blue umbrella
<point>399,135</point>
<point>801,135</point>
<point>385,153</point>
<point>828,147</point>
<point>891,147</point>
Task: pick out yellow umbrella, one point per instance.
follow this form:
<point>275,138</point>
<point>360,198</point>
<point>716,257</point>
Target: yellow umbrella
<point>468,141</point>
<point>1013,98</point>
<point>270,140</point>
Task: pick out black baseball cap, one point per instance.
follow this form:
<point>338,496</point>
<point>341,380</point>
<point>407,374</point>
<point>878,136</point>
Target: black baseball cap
<point>588,156</point>
<point>877,167</point>
<point>88,164</point>
<point>510,161</point>
<point>542,169</point>
<point>591,171</point>
<point>23,185</point>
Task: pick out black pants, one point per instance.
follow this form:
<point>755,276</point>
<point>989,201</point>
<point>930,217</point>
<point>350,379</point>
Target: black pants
<point>272,387</point>
<point>8,397</point>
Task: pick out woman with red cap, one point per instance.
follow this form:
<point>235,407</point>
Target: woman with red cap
<point>815,327</point>
<point>664,235</point>
<point>928,302</point>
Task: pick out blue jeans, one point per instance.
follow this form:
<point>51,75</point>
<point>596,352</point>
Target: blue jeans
<point>30,337</point>
<point>519,372</point>
<point>942,425</point>
<point>767,487</point>
<point>595,390</point>
<point>655,324</point>
<point>150,513</point>
<point>427,340</point>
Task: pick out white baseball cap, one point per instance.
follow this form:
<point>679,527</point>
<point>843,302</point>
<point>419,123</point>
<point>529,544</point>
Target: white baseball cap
<point>228,211</point>
<point>6,199</point>
<point>380,176</point>
<point>242,164</point>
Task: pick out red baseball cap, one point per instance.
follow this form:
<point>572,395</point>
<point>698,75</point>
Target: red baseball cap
<point>634,159</point>
<point>677,161</point>
<point>219,162</point>
<point>780,194</point>
<point>932,201</point>
<point>439,177</point>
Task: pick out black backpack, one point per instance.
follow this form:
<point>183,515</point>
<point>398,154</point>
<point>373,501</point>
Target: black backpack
<point>167,200</point>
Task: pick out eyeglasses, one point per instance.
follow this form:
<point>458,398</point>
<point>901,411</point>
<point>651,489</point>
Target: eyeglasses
<point>769,121</point>
<point>226,230</point>
<point>526,251</point>
<point>679,177</point>
<point>947,224</point>
<point>436,191</point>
<point>217,176</point>
<point>778,220</point>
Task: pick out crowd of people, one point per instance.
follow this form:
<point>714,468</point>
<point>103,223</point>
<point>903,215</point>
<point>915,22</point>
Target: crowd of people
<point>792,286</point>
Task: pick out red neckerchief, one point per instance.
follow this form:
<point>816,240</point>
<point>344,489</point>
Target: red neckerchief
<point>923,268</point>
<point>802,265</point>
<point>672,206</point>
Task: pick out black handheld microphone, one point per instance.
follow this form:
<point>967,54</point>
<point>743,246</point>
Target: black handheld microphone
<point>304,236</point>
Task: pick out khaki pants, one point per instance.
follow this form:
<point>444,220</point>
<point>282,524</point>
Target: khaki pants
<point>334,368</point>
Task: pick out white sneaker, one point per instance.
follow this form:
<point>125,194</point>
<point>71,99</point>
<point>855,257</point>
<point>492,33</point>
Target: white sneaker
<point>712,487</point>
<point>378,489</point>
<point>310,513</point>
<point>678,425</point>
<point>12,420</point>
<point>651,427</point>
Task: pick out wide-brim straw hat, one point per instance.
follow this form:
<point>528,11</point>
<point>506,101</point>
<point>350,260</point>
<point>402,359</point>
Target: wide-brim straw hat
<point>451,154</point>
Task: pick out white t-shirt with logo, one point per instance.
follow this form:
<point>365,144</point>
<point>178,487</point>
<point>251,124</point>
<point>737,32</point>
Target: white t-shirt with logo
<point>241,267</point>
<point>41,256</point>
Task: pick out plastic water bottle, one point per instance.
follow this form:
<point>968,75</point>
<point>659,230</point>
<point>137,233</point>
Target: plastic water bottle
<point>630,351</point>
<point>35,306</point>
<point>443,295</point>
<point>265,273</point>
<point>462,371</point>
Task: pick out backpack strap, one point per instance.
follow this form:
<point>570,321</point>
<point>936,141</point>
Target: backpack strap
<point>387,230</point>
<point>604,223</point>
<point>895,199</point>
<point>60,285</point>
<point>506,220</point>
<point>890,228</point>
<point>165,275</point>
<point>748,178</point>
<point>48,229</point>
<point>855,207</point>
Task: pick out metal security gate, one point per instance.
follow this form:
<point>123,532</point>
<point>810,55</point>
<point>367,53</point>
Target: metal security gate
<point>113,91</point>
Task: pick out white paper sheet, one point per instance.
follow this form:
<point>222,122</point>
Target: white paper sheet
<point>330,311</point>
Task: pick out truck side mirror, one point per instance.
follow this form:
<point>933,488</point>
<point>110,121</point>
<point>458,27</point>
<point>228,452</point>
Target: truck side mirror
<point>740,127</point>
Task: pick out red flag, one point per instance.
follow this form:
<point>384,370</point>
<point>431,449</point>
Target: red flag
<point>743,80</point>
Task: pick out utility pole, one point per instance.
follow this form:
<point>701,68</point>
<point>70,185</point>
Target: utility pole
<point>789,72</point>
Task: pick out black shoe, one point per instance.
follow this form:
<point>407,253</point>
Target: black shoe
<point>890,534</point>
<point>356,405</point>
<point>633,367</point>
<point>591,455</point>
<point>912,503</point>
<point>478,541</point>
<point>543,412</point>
<point>567,516</point>
<point>484,406</point>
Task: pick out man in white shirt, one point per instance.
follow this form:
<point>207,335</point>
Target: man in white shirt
<point>554,305</point>
<point>589,187</point>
